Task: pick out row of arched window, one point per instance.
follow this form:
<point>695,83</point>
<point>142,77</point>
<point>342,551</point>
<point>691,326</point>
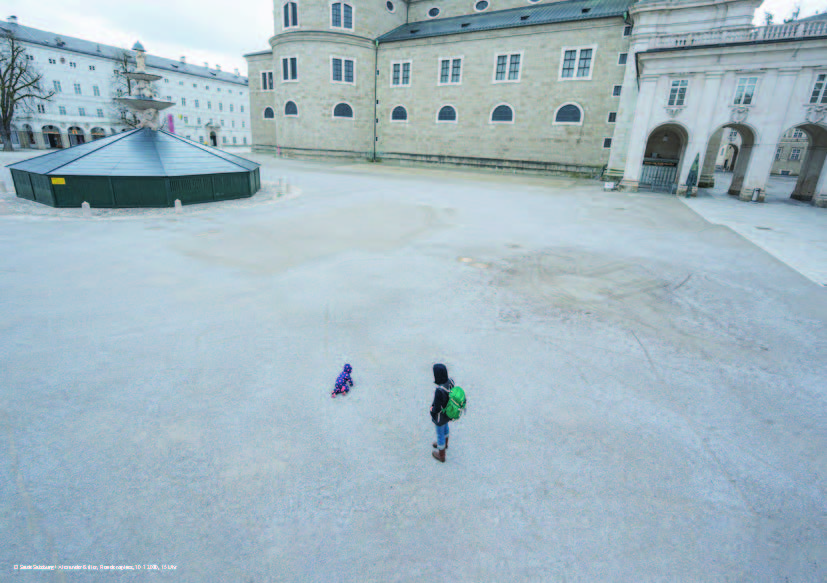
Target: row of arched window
<point>568,113</point>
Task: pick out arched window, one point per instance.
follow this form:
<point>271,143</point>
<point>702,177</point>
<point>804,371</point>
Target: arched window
<point>399,114</point>
<point>341,15</point>
<point>569,113</point>
<point>291,14</point>
<point>502,113</point>
<point>342,110</point>
<point>447,113</point>
<point>269,113</point>
<point>290,108</point>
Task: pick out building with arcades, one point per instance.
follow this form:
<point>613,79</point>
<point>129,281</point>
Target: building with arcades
<point>639,92</point>
<point>211,105</point>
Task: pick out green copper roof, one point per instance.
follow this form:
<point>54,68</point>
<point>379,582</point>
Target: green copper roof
<point>141,152</point>
<point>567,11</point>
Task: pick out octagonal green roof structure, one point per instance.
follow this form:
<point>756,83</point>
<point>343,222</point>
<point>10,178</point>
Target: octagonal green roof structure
<point>138,168</point>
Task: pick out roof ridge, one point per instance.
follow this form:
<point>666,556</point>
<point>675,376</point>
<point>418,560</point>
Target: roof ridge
<point>210,150</point>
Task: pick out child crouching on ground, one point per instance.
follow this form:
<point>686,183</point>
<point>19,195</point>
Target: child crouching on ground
<point>343,382</point>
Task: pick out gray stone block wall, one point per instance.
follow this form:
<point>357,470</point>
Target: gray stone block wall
<point>263,130</point>
<point>448,8</point>
<point>371,18</point>
<point>533,136</point>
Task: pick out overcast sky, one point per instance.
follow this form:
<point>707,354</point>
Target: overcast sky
<point>200,29</point>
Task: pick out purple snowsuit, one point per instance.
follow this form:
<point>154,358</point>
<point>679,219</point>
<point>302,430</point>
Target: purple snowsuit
<point>343,381</point>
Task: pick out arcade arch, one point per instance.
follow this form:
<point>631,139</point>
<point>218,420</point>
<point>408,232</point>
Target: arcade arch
<point>663,157</point>
<point>812,161</point>
<point>51,136</point>
<point>737,140</point>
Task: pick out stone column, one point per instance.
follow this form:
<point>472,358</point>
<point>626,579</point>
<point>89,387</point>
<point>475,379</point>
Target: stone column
<point>707,177</point>
<point>639,133</point>
<point>808,177</point>
<point>625,118</point>
<point>740,169</point>
<point>820,195</point>
<point>758,171</point>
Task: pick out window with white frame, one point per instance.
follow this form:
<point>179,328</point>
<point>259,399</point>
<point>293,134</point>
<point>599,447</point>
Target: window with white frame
<point>82,111</point>
<point>568,114</point>
<point>41,108</point>
<point>450,71</point>
<point>733,135</point>
<point>798,134</point>
<point>399,113</point>
<point>61,110</point>
<point>184,101</point>
<point>745,92</point>
<point>52,62</point>
<point>677,94</point>
<point>57,87</point>
<point>209,105</point>
<point>96,91</point>
<point>778,153</point>
<point>196,103</point>
<point>290,11</point>
<point>341,15</point>
<point>220,106</point>
<point>77,89</point>
<point>576,63</point>
<point>342,70</point>
<point>795,154</point>
<point>819,94</point>
<point>289,69</point>
<point>507,68</point>
<point>401,74</point>
<point>343,110</point>
<point>502,114</point>
<point>269,113</point>
<point>291,109</point>
<point>447,114</point>
<point>621,58</point>
<point>266,81</point>
<point>100,113</point>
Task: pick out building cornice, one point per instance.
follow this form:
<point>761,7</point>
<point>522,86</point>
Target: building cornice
<point>320,36</point>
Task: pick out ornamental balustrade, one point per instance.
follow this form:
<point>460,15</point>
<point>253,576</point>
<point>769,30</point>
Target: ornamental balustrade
<point>775,32</point>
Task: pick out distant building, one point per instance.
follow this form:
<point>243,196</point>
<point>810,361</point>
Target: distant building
<point>211,105</point>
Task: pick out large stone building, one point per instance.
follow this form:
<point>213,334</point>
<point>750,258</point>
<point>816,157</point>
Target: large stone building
<point>212,106</point>
<point>635,91</point>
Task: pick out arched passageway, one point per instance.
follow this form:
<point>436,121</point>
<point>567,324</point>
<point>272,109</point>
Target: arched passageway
<point>809,159</point>
<point>727,157</point>
<point>76,136</point>
<point>213,140</point>
<point>663,158</point>
<point>98,133</point>
<point>51,137</point>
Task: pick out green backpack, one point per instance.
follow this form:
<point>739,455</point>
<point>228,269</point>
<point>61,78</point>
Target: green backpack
<point>456,404</point>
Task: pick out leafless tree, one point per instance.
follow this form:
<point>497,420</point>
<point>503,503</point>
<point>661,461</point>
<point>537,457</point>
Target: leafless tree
<point>122,87</point>
<point>20,83</point>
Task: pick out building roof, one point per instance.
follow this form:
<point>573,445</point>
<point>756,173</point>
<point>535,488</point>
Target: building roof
<point>822,16</point>
<point>85,47</point>
<point>567,11</point>
<point>140,152</point>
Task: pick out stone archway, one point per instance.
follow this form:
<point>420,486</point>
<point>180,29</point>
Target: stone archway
<point>51,137</point>
<point>663,157</point>
<point>98,133</point>
<point>76,136</point>
<point>812,166</point>
<point>27,137</point>
<point>739,162</point>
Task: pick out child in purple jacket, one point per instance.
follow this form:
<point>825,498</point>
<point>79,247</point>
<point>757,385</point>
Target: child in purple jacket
<point>343,382</point>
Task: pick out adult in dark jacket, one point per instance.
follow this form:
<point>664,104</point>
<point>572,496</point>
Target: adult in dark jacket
<point>443,388</point>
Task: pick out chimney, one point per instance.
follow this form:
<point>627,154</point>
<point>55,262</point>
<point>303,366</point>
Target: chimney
<point>12,20</point>
<point>183,59</point>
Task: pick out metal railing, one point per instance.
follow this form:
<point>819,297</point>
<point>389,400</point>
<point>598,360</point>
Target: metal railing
<point>789,31</point>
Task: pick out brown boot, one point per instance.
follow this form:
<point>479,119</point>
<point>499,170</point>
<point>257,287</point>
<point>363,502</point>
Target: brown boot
<point>439,455</point>
<point>435,444</point>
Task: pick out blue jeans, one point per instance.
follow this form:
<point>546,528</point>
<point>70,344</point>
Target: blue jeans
<point>441,435</point>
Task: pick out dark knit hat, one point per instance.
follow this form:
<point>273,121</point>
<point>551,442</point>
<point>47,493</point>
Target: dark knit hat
<point>440,374</point>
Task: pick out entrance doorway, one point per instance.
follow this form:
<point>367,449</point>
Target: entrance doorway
<point>663,158</point>
<point>51,136</point>
<point>76,136</point>
<point>98,133</point>
<point>213,140</point>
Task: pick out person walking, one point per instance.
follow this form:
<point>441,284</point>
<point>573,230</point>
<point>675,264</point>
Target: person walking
<point>438,416</point>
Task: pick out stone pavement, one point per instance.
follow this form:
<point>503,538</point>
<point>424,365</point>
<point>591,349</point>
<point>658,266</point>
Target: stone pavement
<point>793,232</point>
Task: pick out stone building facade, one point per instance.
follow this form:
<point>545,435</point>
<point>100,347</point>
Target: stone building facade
<point>530,86</point>
<point>211,105</point>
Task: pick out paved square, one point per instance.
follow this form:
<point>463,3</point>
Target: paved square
<point>646,389</point>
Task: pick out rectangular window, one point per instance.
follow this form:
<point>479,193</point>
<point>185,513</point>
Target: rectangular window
<point>677,94</point>
<point>245,139</point>
<point>746,90</point>
<point>450,71</point>
<point>209,105</point>
<point>183,101</point>
<point>795,154</point>
<point>61,110</point>
<point>342,70</point>
<point>186,119</point>
<point>612,116</point>
<point>77,89</point>
<point>73,65</point>
<point>291,14</point>
<point>81,112</point>
<point>336,15</point>
<point>57,87</point>
<point>616,91</point>
<point>348,10</point>
<point>819,94</point>
<point>100,113</point>
<point>242,109</point>
<point>456,70</point>
<point>778,153</point>
<point>96,91</point>
<point>198,121</point>
<point>627,30</point>
<point>91,67</point>
<point>233,123</point>
<point>234,139</point>
<point>231,108</point>
<point>41,108</point>
<point>266,80</point>
<point>289,68</point>
<point>607,143</point>
<point>733,135</point>
<point>621,58</point>
<point>576,63</point>
<point>52,62</point>
<point>244,124</point>
<point>406,73</point>
<point>798,134</point>
<point>509,64</point>
<point>397,74</point>
<point>196,103</point>
<point>400,73</point>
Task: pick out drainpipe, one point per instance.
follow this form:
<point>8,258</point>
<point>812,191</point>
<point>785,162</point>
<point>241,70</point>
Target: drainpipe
<point>375,100</point>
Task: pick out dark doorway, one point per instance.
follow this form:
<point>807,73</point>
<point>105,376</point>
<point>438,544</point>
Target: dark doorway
<point>213,140</point>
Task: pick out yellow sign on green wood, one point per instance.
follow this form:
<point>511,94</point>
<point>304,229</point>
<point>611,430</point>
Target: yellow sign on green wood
<point>58,181</point>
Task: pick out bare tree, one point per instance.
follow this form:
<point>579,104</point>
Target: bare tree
<point>122,87</point>
<point>20,83</point>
